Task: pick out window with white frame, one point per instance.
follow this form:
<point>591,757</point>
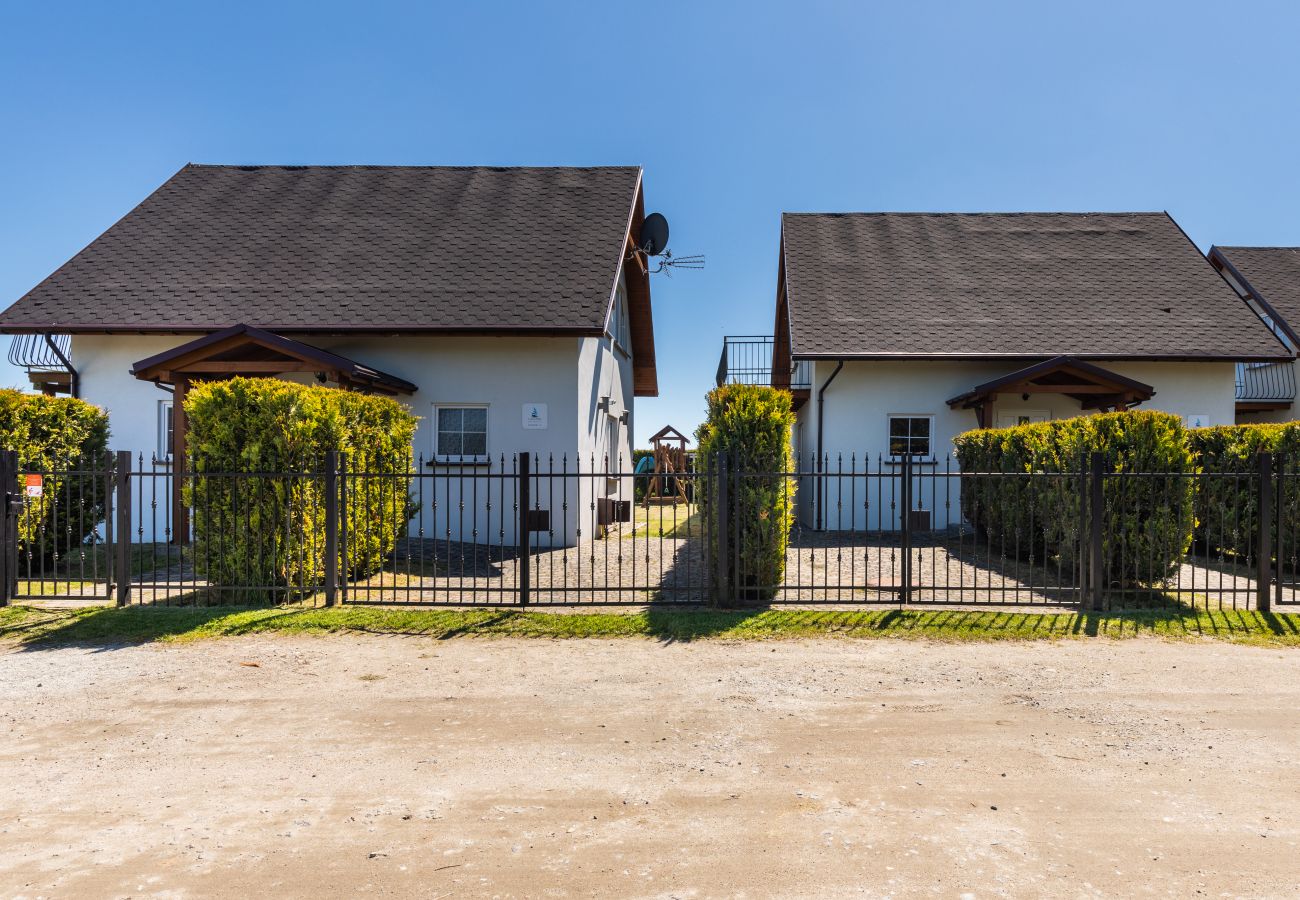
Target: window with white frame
<point>910,435</point>
<point>461,433</point>
<point>165,429</point>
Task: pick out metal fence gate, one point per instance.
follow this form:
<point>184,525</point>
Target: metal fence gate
<point>533,530</point>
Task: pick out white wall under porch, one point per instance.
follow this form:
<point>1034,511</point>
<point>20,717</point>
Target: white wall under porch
<point>501,373</point>
<point>865,394</point>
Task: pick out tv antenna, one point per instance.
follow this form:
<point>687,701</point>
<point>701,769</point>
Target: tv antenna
<point>653,242</point>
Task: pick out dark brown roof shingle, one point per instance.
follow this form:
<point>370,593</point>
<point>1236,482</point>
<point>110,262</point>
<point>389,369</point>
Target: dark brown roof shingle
<point>1006,285</point>
<point>319,248</point>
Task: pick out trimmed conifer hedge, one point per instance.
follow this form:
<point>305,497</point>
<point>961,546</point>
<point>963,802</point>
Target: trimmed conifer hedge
<point>66,440</point>
<point>257,447</point>
<point>750,427</point>
<point>1227,508</point>
<point>1148,522</point>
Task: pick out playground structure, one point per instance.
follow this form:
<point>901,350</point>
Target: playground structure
<point>668,459</point>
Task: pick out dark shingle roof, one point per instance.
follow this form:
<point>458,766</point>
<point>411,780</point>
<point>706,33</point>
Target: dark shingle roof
<point>1105,285</point>
<point>318,248</point>
<point>1272,274</point>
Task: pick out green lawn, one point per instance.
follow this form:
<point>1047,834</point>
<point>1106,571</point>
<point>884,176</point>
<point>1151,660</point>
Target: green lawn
<point>669,520</point>
<point>109,625</point>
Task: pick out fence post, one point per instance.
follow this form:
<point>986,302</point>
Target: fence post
<point>8,526</point>
<point>331,527</point>
<point>1097,505</point>
<point>1279,506</point>
<point>524,540</point>
<point>342,519</point>
<point>122,549</point>
<point>1081,547</point>
<point>1264,575</point>
<point>905,496</point>
<point>110,514</point>
<point>722,520</point>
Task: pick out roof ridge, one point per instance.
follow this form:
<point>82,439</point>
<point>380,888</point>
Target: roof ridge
<point>1254,247</point>
<point>881,213</point>
<point>385,166</point>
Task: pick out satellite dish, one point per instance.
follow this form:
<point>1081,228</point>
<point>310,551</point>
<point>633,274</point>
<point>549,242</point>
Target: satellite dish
<point>654,234</point>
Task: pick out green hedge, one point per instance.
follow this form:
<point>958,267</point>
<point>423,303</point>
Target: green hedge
<point>1227,508</point>
<point>268,530</point>
<point>1148,522</point>
<point>67,441</point>
<point>750,426</point>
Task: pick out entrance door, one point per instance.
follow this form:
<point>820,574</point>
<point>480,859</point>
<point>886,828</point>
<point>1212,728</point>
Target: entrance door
<point>1023,417</point>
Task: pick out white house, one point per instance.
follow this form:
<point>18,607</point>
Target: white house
<point>896,332</point>
<point>508,307</point>
<point>1268,279</point>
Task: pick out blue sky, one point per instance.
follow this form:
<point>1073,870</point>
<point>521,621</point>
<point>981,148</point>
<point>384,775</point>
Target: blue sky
<point>737,111</point>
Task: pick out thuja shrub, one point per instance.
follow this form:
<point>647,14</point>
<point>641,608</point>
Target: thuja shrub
<point>1227,505</point>
<point>749,428</point>
<point>257,448</point>
<point>1148,520</point>
<point>65,440</point>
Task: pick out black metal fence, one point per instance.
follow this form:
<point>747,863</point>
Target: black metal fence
<point>533,530</point>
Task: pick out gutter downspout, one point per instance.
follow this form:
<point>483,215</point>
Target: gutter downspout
<point>74,383</point>
<point>821,421</point>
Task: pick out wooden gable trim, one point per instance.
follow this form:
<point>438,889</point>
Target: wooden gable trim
<point>196,358</point>
<point>1093,386</point>
<point>636,279</point>
<point>781,361</point>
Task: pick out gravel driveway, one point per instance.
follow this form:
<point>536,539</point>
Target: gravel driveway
<point>331,766</point>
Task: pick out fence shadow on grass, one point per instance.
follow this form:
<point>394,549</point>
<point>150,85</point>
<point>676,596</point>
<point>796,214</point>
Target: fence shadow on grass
<point>108,628</point>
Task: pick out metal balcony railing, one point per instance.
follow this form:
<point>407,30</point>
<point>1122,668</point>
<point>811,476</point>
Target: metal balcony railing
<point>34,353</point>
<point>1266,381</point>
<point>747,359</point>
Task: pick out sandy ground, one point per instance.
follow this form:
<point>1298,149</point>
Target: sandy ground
<point>482,768</point>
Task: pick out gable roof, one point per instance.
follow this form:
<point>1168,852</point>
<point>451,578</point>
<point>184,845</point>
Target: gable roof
<point>668,433</point>
<point>346,248</point>
<point>1008,285</point>
<point>1271,275</point>
<point>1092,385</point>
<point>240,349</point>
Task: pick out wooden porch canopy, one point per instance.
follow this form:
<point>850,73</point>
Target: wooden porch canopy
<point>245,350</point>
<point>1093,386</point>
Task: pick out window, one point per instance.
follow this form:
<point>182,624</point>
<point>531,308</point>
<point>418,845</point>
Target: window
<point>619,326</point>
<point>164,429</point>
<point>613,449</point>
<point>910,435</point>
<point>462,432</point>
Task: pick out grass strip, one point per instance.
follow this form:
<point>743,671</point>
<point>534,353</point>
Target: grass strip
<point>26,625</point>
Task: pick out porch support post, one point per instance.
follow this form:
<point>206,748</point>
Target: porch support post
<point>180,435</point>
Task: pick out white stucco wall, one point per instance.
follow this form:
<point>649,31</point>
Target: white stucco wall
<point>504,374</point>
<point>864,395</point>
<point>604,441</point>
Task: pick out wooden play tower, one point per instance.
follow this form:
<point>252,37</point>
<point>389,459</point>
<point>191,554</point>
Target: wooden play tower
<point>669,447</point>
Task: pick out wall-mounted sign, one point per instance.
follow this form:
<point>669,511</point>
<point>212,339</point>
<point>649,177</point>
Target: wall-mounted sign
<point>1198,420</point>
<point>35,485</point>
<point>535,416</point>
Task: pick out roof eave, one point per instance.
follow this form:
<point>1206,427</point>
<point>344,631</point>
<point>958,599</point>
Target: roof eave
<point>1283,355</point>
<point>201,328</point>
